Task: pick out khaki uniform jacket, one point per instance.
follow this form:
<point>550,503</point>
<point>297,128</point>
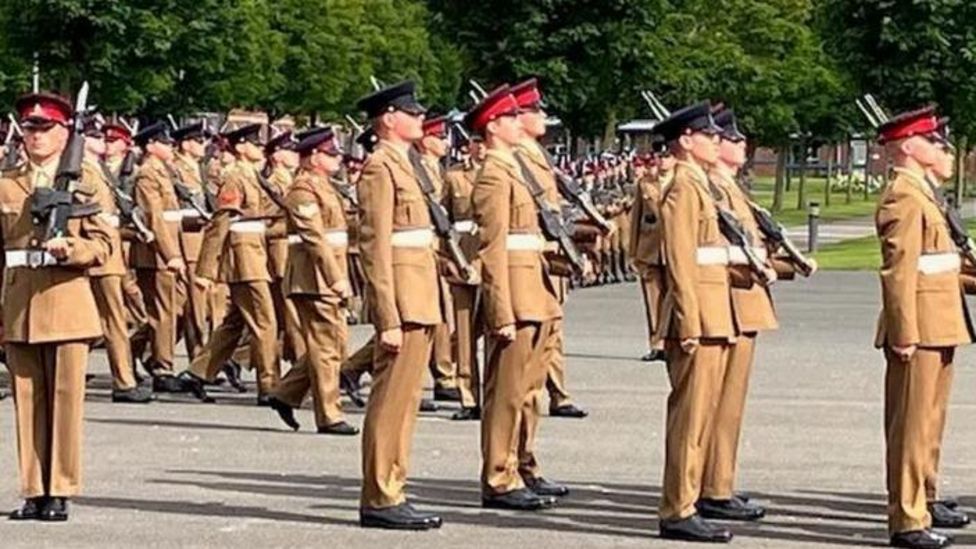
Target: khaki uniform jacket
<point>55,303</point>
<point>458,186</point>
<point>698,303</point>
<point>155,195</point>
<point>91,174</point>
<point>192,239</point>
<point>647,229</point>
<point>920,305</point>
<point>280,180</point>
<point>530,151</point>
<point>516,283</point>
<point>228,254</point>
<point>403,285</point>
<point>314,209</point>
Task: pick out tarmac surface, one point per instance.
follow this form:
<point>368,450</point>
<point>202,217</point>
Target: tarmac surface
<point>182,474</point>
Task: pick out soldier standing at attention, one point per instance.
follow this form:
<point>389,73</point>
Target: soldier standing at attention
<point>923,319</point>
<point>697,320</point>
<point>397,247</point>
<point>521,309</point>
<point>647,250</point>
<point>49,313</point>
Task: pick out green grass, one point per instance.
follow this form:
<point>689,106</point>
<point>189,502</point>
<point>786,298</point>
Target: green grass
<point>838,210</point>
<point>859,254</point>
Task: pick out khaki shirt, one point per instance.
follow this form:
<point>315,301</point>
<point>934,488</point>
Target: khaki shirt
<point>315,210</point>
<point>191,237</point>
<point>647,230</point>
<point>280,180</point>
<point>155,195</point>
<point>92,174</point>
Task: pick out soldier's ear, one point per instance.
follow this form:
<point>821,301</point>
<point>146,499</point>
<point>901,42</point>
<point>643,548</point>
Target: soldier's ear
<point>686,142</point>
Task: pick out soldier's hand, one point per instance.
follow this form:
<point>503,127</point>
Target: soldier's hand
<point>342,288</point>
<point>813,266</point>
<point>689,345</point>
<point>58,247</point>
<point>506,332</point>
<point>770,275</point>
<point>474,277</point>
<point>905,353</point>
<point>392,339</point>
<point>176,265</point>
<point>203,283</point>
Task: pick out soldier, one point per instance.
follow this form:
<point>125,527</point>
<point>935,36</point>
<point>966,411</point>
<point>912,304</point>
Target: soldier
<point>235,252</point>
<point>458,185</point>
<point>532,118</point>
<point>521,309</point>
<point>923,320</point>
<point>406,305</point>
<point>47,342</point>
<point>159,264</point>
<point>647,251</point>
<point>106,279</point>
<point>318,284</point>
<point>433,148</point>
<point>696,321</point>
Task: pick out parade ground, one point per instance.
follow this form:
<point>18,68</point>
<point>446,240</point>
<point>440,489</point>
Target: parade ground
<point>182,474</point>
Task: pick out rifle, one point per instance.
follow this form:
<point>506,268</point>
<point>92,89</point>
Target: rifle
<point>775,233</point>
<point>442,221</point>
<point>957,228</point>
<point>573,192</point>
<point>54,206</point>
<point>12,145</point>
<point>272,193</point>
<point>129,212</point>
<point>736,234</point>
<point>126,170</point>
<point>204,166</point>
<point>550,221</point>
<point>186,196</point>
<point>346,191</point>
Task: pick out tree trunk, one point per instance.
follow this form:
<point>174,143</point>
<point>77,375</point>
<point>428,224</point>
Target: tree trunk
<point>789,173</point>
<point>780,185</point>
<point>830,174</point>
<point>960,188</point>
<point>850,170</point>
<point>867,171</point>
<point>801,194</point>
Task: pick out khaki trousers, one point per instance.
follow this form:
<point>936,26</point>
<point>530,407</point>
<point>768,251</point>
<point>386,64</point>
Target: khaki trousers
<point>165,300</point>
<point>111,311</point>
<point>391,416</point>
<point>467,330</point>
<point>323,322</point>
<point>441,360</point>
<point>195,312</point>
<point>696,381</point>
<point>916,393</point>
<point>289,325</point>
<point>48,382</point>
<point>652,288</point>
<point>555,361</point>
<point>252,308</point>
<point>721,458</point>
<point>514,376</point>
<point>360,362</point>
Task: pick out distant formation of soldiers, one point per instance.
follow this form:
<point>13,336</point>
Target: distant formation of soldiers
<point>257,245</point>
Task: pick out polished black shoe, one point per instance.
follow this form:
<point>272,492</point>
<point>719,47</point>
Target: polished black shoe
<point>428,405</point>
<point>342,428</point>
<point>350,387</point>
<point>399,517</point>
<point>136,395</point>
<point>544,487</point>
<point>520,499</point>
<point>232,371</point>
<point>190,383</point>
<point>54,510</point>
<point>948,501</point>
<point>921,539</point>
<point>568,410</point>
<point>944,516</point>
<point>730,509</point>
<point>655,355</point>
<point>30,510</point>
<point>264,401</point>
<point>452,394</point>
<point>693,528</point>
<point>285,412</point>
<point>467,414</point>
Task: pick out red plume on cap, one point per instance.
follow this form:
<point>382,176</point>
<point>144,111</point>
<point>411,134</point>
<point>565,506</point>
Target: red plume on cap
<point>918,122</point>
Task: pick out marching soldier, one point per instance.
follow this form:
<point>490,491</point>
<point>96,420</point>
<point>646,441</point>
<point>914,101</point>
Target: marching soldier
<point>923,320</point>
<point>647,251</point>
<point>406,305</point>
<point>159,264</point>
<point>235,252</point>
<point>47,343</point>
<point>458,186</point>
<point>521,306</point>
<point>318,284</point>
<point>696,321</point>
<point>106,279</point>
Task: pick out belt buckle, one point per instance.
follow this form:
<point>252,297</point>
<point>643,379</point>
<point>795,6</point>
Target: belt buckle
<point>35,259</point>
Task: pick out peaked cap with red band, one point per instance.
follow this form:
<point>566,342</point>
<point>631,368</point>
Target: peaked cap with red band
<point>115,132</point>
<point>498,103</point>
<point>43,108</point>
<point>527,94</point>
<point>436,126</point>
<point>919,122</point>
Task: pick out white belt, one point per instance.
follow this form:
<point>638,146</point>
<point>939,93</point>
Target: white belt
<point>413,238</point>
<point>111,219</point>
<point>189,212</point>
<point>713,255</point>
<point>333,238</point>
<point>939,263</point>
<point>524,242</point>
<point>737,256</point>
<point>253,227</point>
<point>29,258</point>
<point>173,215</point>
<point>467,226</point>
